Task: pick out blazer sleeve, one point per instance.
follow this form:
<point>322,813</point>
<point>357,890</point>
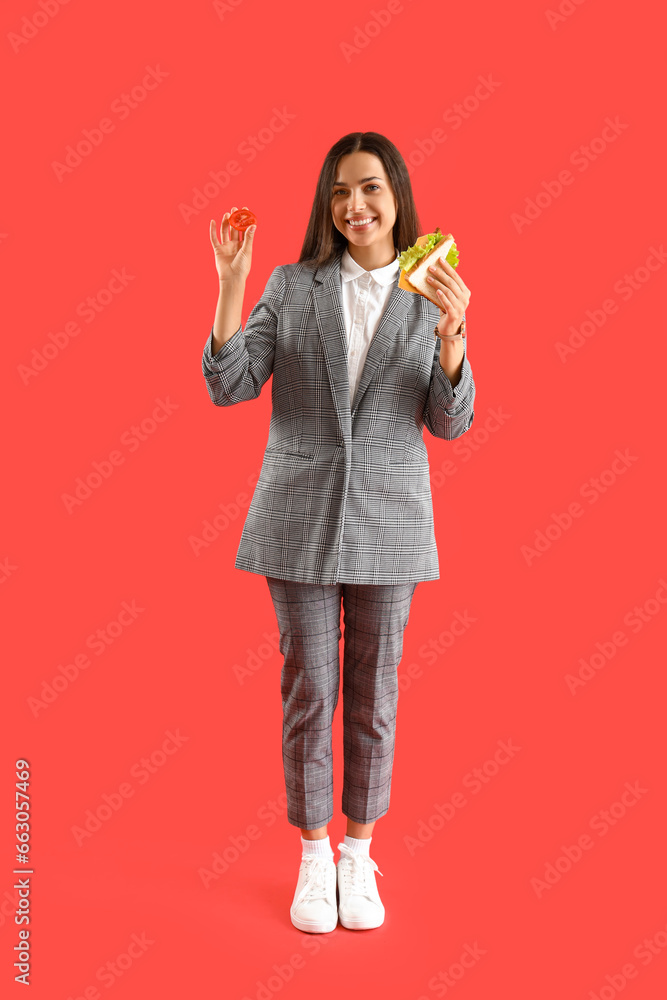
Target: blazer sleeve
<point>244,363</point>
<point>449,409</point>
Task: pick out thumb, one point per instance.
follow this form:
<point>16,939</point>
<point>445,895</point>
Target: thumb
<point>246,248</point>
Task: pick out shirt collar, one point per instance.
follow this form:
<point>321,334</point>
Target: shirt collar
<point>349,269</point>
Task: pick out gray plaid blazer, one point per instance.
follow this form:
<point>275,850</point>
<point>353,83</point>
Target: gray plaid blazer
<point>344,492</point>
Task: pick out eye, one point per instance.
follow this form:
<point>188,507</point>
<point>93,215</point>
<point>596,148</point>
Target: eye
<point>343,190</point>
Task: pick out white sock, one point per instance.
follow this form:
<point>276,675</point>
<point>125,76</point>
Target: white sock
<point>321,848</point>
<point>359,846</point>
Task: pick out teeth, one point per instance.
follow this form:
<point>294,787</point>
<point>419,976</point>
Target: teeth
<point>361,222</point>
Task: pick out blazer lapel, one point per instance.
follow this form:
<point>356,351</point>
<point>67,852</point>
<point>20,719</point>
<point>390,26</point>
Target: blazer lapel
<point>331,323</point>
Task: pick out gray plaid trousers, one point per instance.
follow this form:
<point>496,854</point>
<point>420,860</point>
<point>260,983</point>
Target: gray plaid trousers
<point>374,617</point>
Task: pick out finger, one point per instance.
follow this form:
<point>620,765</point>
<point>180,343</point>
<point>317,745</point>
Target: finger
<point>458,294</point>
<point>459,280</point>
<point>212,230</point>
<point>446,295</point>
<point>450,297</point>
<point>450,271</point>
<point>233,233</point>
<point>224,228</point>
<point>242,232</point>
<point>443,281</point>
<point>443,271</point>
<point>450,308</point>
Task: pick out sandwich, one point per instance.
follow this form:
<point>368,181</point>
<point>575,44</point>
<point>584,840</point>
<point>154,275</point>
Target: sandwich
<point>416,260</point>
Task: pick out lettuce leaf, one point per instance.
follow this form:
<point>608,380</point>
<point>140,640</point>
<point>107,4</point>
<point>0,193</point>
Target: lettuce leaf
<point>453,256</point>
<point>415,253</point>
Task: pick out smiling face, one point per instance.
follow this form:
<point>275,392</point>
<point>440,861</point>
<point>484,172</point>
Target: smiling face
<point>362,192</point>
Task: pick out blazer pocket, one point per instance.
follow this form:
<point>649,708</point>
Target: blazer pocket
<point>394,444</point>
<point>407,447</point>
<point>414,446</point>
<point>289,453</point>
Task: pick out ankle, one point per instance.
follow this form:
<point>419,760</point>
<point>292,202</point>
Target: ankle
<point>319,847</point>
<point>319,833</point>
<point>360,831</point>
<point>361,845</point>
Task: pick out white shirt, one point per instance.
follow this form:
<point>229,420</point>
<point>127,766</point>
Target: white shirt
<point>365,296</point>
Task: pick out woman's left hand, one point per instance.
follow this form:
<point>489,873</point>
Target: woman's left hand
<point>453,293</point>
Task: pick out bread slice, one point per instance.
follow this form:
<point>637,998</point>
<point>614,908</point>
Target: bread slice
<point>415,280</point>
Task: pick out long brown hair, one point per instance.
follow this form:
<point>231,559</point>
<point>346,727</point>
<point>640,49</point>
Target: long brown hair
<point>323,241</point>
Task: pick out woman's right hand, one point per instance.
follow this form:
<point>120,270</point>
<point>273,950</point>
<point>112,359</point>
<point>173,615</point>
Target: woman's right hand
<point>233,255</point>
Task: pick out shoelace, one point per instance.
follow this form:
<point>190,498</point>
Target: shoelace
<point>319,874</point>
<point>360,871</point>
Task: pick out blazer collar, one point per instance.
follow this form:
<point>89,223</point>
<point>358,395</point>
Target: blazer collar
<point>331,323</point>
<point>349,270</point>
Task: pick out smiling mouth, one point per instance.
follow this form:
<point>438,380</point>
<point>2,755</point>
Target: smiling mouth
<point>362,223</point>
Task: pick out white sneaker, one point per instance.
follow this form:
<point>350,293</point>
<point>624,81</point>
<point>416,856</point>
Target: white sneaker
<point>359,907</point>
<point>314,906</point>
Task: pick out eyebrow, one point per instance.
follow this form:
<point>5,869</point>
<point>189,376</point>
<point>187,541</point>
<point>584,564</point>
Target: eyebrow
<point>363,181</point>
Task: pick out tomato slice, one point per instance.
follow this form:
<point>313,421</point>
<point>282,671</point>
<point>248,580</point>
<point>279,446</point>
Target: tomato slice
<point>242,219</point>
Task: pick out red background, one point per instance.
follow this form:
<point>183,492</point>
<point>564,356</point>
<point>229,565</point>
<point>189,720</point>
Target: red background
<point>67,574</point>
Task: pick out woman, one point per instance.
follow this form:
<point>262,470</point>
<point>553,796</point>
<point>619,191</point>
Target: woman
<point>342,508</point>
